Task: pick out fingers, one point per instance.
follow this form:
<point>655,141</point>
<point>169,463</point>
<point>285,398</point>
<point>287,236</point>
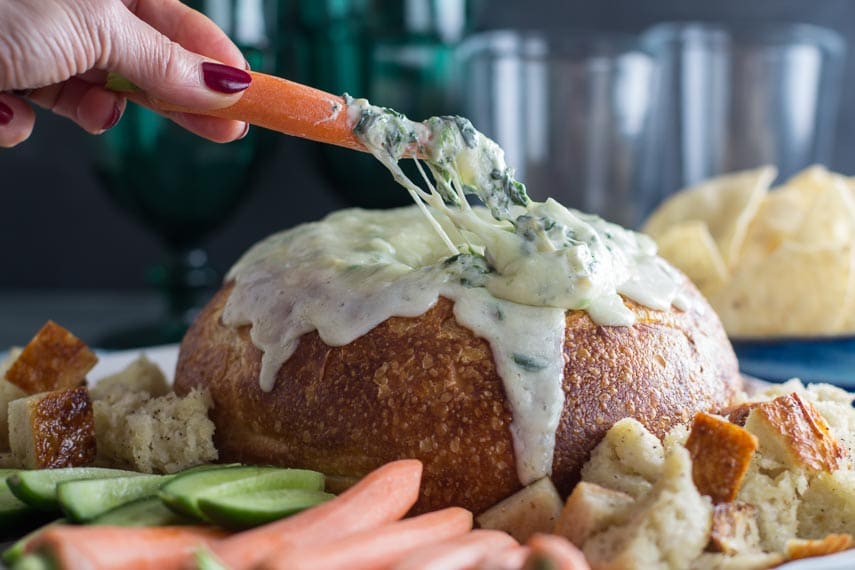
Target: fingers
<point>193,30</point>
<point>91,106</point>
<point>217,130</point>
<point>156,62</point>
<point>16,120</point>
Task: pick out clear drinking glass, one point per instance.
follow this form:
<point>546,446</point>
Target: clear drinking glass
<point>734,97</point>
<point>571,111</point>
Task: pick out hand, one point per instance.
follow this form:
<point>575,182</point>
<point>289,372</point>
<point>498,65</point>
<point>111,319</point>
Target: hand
<point>57,53</point>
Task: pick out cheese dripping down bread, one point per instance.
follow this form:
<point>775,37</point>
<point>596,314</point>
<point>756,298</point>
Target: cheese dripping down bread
<point>510,336</point>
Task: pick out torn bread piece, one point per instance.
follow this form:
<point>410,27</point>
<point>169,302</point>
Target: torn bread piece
<point>734,529</point>
<point>776,493</point>
<point>721,453</point>
<point>591,509</point>
<point>828,506</point>
<point>667,529</point>
<point>533,509</point>
<point>8,392</point>
<point>156,435</point>
<point>808,548</point>
<point>54,359</point>
<point>628,459</point>
<point>53,429</point>
<point>792,432</point>
<point>745,561</point>
<point>141,375</point>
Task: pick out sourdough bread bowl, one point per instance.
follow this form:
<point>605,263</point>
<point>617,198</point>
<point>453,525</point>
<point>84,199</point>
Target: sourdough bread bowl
<point>427,387</point>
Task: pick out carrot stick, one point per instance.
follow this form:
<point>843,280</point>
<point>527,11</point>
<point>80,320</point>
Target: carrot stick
<point>285,106</point>
<point>382,496</point>
<point>459,552</point>
<point>508,559</point>
<point>374,549</point>
<point>549,551</point>
<point>113,547</point>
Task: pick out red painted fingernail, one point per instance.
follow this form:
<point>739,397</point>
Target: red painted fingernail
<point>6,114</point>
<point>114,118</point>
<point>225,79</point>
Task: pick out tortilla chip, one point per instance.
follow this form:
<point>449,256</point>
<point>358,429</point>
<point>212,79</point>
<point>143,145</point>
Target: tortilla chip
<point>690,247</point>
<point>780,295</point>
<point>727,204</point>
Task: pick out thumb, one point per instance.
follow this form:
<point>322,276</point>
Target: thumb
<point>167,71</point>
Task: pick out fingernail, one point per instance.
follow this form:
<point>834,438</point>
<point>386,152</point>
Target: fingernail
<point>246,65</point>
<point>245,131</point>
<point>225,79</point>
<point>114,118</point>
<point>6,114</point>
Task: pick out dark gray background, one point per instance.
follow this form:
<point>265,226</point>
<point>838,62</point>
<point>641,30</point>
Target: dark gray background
<point>59,230</point>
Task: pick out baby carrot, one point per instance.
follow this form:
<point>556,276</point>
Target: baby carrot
<point>288,107</point>
<point>552,552</point>
<point>137,548</point>
<point>377,548</point>
<point>382,496</point>
<point>458,553</point>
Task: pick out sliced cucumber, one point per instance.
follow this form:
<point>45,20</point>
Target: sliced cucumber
<point>254,509</point>
<point>143,512</point>
<point>16,516</point>
<point>12,554</point>
<point>84,500</point>
<point>38,488</point>
<point>182,493</point>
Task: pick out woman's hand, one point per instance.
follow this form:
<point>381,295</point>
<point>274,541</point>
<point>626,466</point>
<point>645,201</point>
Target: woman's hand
<point>56,53</point>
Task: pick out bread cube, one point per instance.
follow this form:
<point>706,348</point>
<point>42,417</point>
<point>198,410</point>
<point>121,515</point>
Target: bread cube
<point>628,459</point>
<point>799,548</point>
<point>591,509</point>
<point>53,429</point>
<point>828,506</point>
<point>156,435</point>
<point>533,509</point>
<point>667,528</point>
<point>8,392</point>
<point>734,528</point>
<point>792,432</point>
<point>141,375</point>
<point>54,359</point>
<point>721,452</point>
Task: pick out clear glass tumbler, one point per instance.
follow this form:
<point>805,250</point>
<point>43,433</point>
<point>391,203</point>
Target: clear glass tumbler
<point>571,111</point>
<point>734,97</point>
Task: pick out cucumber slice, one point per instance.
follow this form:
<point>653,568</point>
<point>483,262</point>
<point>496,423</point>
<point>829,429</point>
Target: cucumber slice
<point>84,500</point>
<point>14,553</point>
<point>143,512</point>
<point>38,488</point>
<point>254,509</point>
<point>15,515</point>
<point>182,493</point>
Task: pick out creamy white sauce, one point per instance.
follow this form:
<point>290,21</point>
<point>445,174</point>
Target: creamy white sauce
<point>512,269</point>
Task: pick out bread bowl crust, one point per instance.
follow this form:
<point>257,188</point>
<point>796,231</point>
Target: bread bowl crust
<point>426,387</point>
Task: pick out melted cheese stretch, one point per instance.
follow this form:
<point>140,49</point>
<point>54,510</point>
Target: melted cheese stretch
<point>512,270</point>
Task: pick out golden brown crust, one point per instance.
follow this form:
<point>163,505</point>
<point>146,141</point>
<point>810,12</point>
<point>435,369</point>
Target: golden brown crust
<point>54,359</point>
<point>721,452</point>
<point>426,387</point>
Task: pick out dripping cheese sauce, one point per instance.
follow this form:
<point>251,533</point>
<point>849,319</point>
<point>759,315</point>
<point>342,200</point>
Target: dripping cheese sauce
<point>512,268</point>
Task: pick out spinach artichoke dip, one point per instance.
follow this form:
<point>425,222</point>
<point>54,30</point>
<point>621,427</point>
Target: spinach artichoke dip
<point>512,269</point>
